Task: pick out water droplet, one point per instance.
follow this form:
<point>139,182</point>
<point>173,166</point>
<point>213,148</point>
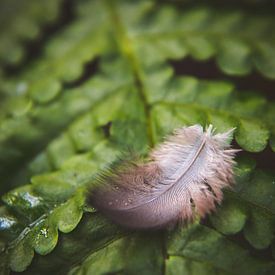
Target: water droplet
<point>44,232</point>
<point>125,203</point>
<point>116,187</point>
<point>6,222</point>
<point>32,200</point>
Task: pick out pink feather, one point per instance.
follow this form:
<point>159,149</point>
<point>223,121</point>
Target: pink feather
<point>184,176</point>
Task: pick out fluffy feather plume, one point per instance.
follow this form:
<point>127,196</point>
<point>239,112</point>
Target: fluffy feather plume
<point>184,177</point>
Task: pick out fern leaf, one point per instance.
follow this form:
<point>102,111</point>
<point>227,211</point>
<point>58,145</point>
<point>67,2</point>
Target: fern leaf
<point>106,81</point>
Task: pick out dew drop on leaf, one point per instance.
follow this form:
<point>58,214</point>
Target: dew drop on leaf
<point>44,232</point>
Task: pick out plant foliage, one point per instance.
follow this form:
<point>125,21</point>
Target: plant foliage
<point>104,82</point>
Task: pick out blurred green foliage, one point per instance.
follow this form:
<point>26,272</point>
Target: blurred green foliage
<point>103,82</point>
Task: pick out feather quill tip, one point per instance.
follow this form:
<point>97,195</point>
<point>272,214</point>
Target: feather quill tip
<point>183,178</point>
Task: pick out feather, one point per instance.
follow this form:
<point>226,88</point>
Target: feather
<point>183,178</point>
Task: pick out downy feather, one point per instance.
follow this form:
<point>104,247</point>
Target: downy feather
<point>184,177</point>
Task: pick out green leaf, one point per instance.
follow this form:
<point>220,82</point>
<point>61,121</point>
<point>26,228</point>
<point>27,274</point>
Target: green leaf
<point>130,255</point>
<point>23,23</point>
<point>92,234</point>
<point>238,39</point>
<point>259,231</point>
<point>103,81</point>
<point>180,265</point>
<point>203,244</point>
<point>252,136</point>
<point>21,256</point>
<point>230,218</point>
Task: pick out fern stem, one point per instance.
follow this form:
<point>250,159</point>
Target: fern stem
<point>127,50</point>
